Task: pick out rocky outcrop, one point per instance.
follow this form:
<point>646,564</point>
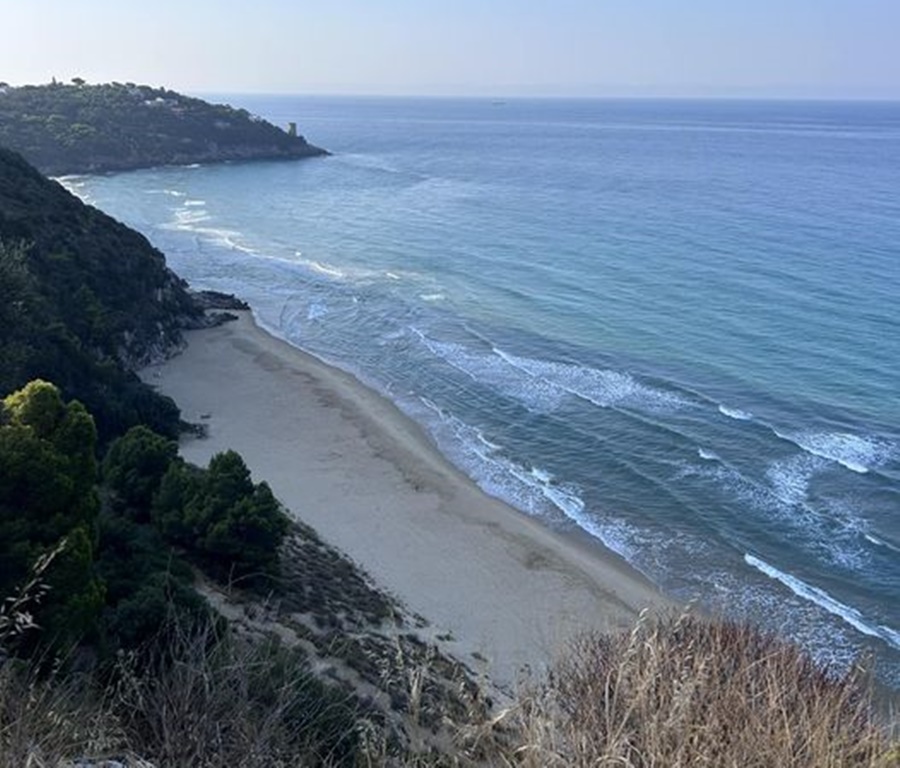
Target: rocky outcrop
<point>219,300</point>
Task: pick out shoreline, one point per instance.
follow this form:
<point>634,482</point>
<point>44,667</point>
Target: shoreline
<point>503,591</point>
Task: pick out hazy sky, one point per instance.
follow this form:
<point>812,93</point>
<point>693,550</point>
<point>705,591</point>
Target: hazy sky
<point>811,48</point>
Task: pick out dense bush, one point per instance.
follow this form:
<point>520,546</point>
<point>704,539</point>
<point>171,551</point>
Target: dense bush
<point>47,496</point>
<point>134,466</point>
<point>84,299</point>
<point>119,576</point>
<point>233,525</point>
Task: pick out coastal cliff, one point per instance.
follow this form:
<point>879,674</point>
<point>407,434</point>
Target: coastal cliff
<point>79,128</point>
<point>84,300</point>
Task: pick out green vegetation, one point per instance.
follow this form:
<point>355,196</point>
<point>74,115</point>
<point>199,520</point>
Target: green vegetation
<point>81,128</point>
<point>222,517</point>
<point>112,636</point>
<point>47,498</point>
<point>117,571</point>
<point>83,301</point>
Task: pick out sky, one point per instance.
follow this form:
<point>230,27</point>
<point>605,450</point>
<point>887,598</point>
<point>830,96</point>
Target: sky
<point>716,48</point>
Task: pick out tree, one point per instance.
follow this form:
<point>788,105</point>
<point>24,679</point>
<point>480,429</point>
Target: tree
<point>248,535</point>
<point>232,525</point>
<point>134,467</point>
<point>47,495</point>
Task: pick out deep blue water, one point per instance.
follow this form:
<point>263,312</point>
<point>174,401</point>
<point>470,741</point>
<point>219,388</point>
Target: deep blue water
<point>673,324</point>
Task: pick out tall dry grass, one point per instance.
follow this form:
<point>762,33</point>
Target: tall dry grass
<point>685,691</point>
<point>674,692</point>
<point>202,699</point>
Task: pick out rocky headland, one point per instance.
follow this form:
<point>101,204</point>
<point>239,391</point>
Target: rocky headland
<point>79,128</point>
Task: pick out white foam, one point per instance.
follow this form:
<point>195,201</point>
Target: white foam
<point>828,530</point>
<point>790,477</point>
<point>821,598</point>
<point>325,269</point>
<point>878,541</point>
<point>316,310</point>
<point>342,273</point>
<point>186,218</point>
<point>859,454</point>
<point>707,455</point>
<point>602,387</point>
<point>542,385</point>
<point>537,395</point>
<point>194,203</point>
<point>534,491</point>
<point>735,413</point>
<point>431,297</point>
<point>74,187</point>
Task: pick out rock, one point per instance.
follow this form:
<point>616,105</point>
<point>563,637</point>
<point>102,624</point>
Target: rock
<point>219,300</point>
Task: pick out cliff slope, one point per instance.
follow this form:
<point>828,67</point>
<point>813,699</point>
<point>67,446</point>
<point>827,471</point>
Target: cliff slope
<point>83,301</point>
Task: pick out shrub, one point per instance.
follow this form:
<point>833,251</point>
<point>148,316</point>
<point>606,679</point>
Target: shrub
<point>689,692</point>
<point>235,527</point>
<point>134,467</point>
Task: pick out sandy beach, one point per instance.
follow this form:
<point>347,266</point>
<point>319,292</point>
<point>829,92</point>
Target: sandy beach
<point>505,589</point>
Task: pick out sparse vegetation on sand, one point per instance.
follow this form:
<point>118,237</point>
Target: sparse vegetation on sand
<point>680,691</point>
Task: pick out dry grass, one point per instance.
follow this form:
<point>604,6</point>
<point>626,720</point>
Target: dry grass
<point>208,700</point>
<point>689,692</point>
<point>677,691</point>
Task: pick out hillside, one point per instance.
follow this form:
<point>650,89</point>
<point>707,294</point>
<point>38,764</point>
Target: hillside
<point>79,128</point>
<point>83,301</point>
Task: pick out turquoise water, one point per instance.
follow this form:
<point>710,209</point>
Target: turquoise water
<point>671,324</point>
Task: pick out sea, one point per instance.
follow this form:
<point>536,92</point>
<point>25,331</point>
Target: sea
<point>671,325</point>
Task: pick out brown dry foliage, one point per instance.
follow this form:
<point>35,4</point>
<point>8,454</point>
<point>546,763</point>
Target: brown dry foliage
<point>686,691</point>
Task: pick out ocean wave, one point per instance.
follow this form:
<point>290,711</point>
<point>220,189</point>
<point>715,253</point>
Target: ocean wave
<point>542,385</point>
<point>825,529</point>
<point>534,490</point>
<point>707,455</point>
<point>880,542</point>
<point>190,219</point>
<point>345,273</point>
<point>370,162</point>
<point>325,269</point>
<point>537,395</point>
<point>602,387</point>
<point>735,413</point>
<point>194,203</point>
<point>821,598</point>
<point>187,217</point>
<point>856,453</point>
<point>75,185</point>
<point>790,478</point>
<point>432,297</point>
